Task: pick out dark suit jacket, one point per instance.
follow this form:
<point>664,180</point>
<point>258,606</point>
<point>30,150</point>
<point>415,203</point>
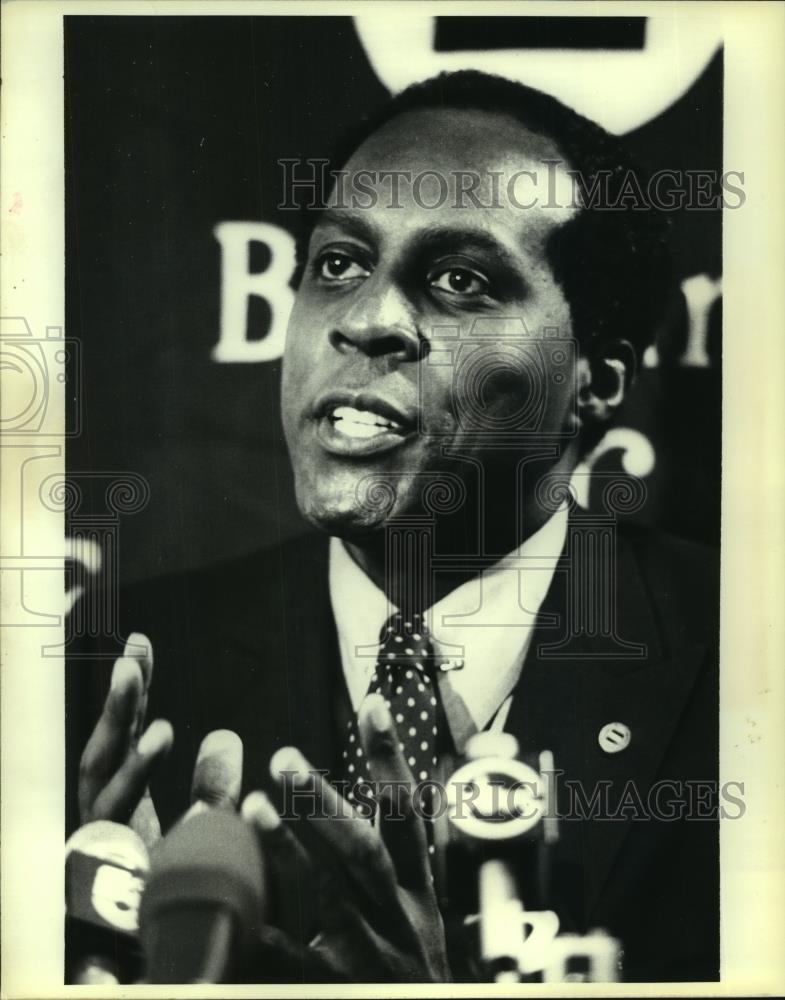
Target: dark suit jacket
<point>251,646</point>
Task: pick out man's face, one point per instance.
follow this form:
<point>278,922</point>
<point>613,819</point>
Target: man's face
<point>418,331</point>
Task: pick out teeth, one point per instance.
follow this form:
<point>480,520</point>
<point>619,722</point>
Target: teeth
<point>361,423</point>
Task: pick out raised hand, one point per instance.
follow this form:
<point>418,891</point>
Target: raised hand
<point>120,756</point>
<point>376,910</point>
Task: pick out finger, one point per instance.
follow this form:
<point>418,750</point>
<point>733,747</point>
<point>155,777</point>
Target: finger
<point>138,647</point>
<point>349,837</point>
<point>401,829</point>
<point>144,821</point>
<point>276,837</point>
<point>289,861</point>
<point>122,794</point>
<point>112,735</point>
<point>218,772</point>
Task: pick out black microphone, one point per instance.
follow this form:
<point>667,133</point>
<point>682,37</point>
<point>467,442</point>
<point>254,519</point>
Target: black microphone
<point>106,864</point>
<point>204,902</point>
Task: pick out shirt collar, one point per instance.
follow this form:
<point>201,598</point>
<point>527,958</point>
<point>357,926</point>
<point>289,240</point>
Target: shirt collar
<point>482,627</point>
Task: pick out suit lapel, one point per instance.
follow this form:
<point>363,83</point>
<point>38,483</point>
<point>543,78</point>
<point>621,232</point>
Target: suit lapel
<point>562,702</point>
<point>284,633</point>
<point>312,659</point>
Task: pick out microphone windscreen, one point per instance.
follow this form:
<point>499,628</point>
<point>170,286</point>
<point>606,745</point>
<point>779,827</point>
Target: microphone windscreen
<point>105,868</point>
<point>110,840</point>
<point>206,874</point>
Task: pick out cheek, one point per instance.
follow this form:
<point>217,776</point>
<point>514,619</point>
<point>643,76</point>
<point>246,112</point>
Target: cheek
<point>288,394</point>
<point>508,388</point>
<point>299,364</point>
<point>438,398</point>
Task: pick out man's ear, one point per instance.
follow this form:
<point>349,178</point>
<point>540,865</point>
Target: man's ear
<point>603,378</point>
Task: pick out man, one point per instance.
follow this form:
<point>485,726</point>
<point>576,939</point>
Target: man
<point>457,343</point>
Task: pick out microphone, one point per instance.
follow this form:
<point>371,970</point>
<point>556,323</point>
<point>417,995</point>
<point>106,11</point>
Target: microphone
<point>204,901</point>
<point>499,810</point>
<point>105,868</point>
<point>507,825</point>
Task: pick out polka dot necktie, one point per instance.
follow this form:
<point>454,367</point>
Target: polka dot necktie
<point>404,677</point>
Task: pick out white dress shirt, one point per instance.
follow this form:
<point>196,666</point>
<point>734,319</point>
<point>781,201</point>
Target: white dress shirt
<point>483,627</point>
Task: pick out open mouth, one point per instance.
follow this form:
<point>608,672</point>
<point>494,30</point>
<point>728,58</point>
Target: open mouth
<point>361,424</point>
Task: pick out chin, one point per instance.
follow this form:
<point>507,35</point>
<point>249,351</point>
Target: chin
<point>351,525</point>
<point>340,512</point>
<point>352,503</point>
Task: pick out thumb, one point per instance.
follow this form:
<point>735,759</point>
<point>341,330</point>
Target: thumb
<point>144,821</point>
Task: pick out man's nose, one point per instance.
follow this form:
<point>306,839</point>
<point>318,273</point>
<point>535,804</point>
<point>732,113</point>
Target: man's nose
<point>379,323</point>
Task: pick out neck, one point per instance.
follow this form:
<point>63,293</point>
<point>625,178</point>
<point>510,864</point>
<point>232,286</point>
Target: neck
<point>398,558</point>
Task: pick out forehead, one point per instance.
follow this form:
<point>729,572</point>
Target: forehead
<point>465,169</point>
<point>468,138</point>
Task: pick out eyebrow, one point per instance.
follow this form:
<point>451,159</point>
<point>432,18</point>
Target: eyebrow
<point>453,237</point>
<point>442,235</point>
<point>358,225</point>
<point>436,237</point>
<point>445,239</point>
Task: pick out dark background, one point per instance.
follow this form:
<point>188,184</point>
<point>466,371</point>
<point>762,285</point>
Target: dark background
<point>174,124</point>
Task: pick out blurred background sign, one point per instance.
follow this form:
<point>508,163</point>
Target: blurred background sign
<point>178,258</point>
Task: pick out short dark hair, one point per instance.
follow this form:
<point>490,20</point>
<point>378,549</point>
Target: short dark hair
<point>612,263</point>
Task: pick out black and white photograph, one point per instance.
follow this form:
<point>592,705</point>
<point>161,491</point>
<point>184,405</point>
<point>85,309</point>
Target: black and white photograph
<point>395,434</point>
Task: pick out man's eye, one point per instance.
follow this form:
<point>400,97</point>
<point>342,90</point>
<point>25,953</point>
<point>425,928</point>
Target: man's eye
<point>459,281</point>
<point>336,266</point>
